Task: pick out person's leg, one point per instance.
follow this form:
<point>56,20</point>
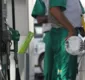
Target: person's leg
<point>63,69</point>
<point>48,57</point>
<point>73,67</point>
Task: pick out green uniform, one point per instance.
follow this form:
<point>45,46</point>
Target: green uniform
<point>58,64</point>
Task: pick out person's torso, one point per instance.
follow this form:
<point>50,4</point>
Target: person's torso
<point>72,13</point>
<point>46,26</point>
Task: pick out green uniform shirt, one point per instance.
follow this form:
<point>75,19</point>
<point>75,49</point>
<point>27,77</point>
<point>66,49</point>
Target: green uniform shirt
<point>72,11</point>
<point>40,9</point>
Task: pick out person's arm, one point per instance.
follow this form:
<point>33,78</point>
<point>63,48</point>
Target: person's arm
<point>58,14</point>
<point>42,19</point>
<point>39,11</point>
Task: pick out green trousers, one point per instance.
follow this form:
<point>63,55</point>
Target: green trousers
<point>58,64</point>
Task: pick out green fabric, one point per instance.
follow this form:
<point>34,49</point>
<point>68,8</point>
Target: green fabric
<point>58,64</point>
<point>39,9</point>
<point>60,3</point>
<point>83,11</point>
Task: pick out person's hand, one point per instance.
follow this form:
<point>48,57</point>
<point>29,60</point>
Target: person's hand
<point>42,19</point>
<point>71,33</point>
